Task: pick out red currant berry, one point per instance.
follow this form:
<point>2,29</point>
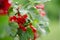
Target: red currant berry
<point>25,16</point>
<point>33,28</point>
<point>40,6</point>
<point>11,19</point>
<point>22,27</point>
<point>4,6</point>
<point>42,13</point>
<point>14,17</point>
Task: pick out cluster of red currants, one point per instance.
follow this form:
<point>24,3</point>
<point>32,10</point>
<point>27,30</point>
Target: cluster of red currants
<point>40,7</point>
<point>4,6</point>
<point>21,20</point>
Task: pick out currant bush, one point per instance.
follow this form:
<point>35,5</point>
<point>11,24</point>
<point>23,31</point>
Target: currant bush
<point>27,19</point>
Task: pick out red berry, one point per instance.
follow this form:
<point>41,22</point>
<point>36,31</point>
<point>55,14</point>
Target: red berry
<point>33,28</point>
<point>11,19</point>
<point>14,17</point>
<point>4,6</point>
<point>20,20</point>
<point>35,36</point>
<point>34,31</point>
<point>25,16</point>
<point>22,27</point>
<point>40,6</point>
<point>42,13</point>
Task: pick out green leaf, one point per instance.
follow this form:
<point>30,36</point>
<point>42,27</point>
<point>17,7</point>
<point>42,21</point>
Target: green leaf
<point>11,10</point>
<point>30,33</point>
<point>21,2</point>
<point>25,35</point>
<point>13,28</point>
<point>33,10</point>
<point>34,14</point>
<point>11,13</point>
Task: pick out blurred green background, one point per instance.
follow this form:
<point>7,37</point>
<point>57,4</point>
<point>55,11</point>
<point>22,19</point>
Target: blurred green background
<point>53,10</point>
